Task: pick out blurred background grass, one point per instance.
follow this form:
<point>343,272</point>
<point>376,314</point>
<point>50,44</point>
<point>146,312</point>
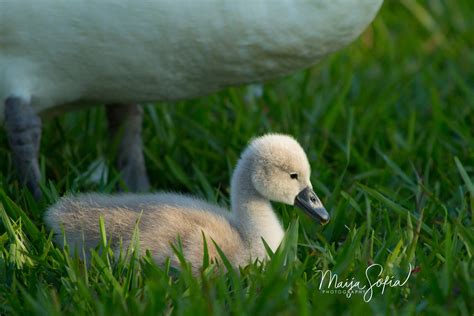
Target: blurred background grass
<point>382,122</point>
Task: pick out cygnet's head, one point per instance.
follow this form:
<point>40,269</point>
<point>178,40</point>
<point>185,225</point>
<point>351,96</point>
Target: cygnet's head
<point>280,172</point>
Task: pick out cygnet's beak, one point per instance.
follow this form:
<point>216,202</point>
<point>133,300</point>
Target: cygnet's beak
<point>309,202</point>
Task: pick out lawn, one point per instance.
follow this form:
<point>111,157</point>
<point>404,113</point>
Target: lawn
<point>388,125</point>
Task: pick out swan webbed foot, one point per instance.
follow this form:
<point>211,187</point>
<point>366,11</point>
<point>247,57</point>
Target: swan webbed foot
<point>23,128</point>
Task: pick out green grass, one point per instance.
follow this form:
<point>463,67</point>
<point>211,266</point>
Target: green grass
<point>388,125</point>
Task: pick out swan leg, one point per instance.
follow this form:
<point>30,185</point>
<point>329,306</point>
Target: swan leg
<point>125,121</point>
<point>23,129</point>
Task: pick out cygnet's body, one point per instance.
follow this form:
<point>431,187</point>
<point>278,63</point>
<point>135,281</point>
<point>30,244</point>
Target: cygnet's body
<point>273,167</point>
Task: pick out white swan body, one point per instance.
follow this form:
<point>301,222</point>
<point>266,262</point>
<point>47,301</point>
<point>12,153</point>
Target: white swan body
<point>55,53</point>
<point>273,167</point>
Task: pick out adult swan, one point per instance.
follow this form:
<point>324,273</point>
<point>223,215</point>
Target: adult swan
<point>60,55</point>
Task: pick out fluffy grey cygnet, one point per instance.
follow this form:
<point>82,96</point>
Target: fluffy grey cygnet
<point>272,168</point>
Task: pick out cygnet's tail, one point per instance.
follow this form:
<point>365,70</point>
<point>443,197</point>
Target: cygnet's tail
<point>78,216</point>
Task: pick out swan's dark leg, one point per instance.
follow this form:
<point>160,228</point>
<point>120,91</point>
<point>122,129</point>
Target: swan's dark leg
<point>23,129</point>
<point>125,121</point>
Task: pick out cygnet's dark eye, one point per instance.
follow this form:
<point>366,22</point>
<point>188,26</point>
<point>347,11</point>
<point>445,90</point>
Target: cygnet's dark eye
<point>294,175</point>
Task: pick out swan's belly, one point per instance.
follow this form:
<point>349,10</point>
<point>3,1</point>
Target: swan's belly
<point>132,51</point>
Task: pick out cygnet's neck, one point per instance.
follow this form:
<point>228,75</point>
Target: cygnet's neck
<point>253,213</point>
